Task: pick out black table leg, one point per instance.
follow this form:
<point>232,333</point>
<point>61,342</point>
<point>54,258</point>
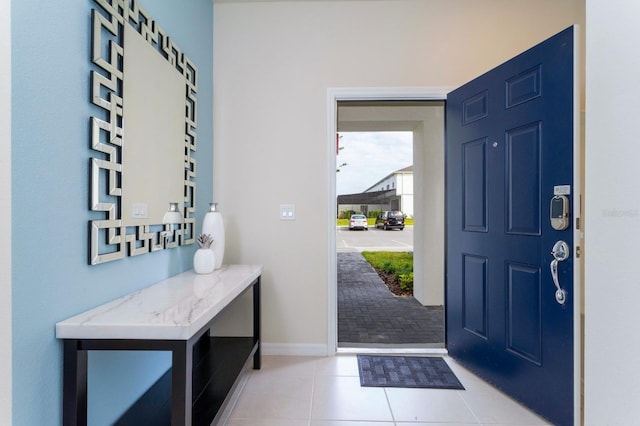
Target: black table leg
<point>74,397</point>
<point>181,382</point>
<point>257,357</point>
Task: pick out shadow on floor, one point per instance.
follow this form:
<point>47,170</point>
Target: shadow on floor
<point>370,315</point>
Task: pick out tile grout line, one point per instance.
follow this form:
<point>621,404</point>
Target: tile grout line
<point>386,396</point>
<point>468,407</point>
<point>313,391</point>
<point>460,392</point>
<point>236,397</point>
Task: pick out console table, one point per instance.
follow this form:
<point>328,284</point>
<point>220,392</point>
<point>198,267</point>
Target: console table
<point>173,315</point>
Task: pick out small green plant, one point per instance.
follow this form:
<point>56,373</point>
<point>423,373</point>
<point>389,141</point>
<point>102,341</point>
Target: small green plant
<point>406,281</point>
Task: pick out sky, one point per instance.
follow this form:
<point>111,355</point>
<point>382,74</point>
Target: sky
<point>369,157</point>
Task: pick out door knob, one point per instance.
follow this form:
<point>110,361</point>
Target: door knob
<point>560,252</point>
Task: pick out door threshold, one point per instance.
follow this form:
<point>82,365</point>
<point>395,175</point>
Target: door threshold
<point>392,349</point>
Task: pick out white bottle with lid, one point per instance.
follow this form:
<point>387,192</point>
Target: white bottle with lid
<point>214,226</point>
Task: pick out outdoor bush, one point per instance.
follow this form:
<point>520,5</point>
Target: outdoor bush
<point>345,214</point>
<point>406,281</point>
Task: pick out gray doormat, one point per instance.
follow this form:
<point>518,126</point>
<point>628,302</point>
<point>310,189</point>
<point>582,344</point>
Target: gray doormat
<point>406,372</point>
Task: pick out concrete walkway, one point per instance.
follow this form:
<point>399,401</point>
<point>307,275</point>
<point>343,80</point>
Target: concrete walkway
<point>369,314</point>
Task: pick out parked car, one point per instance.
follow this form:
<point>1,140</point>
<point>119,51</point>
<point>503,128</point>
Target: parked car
<point>390,219</point>
<point>358,221</point>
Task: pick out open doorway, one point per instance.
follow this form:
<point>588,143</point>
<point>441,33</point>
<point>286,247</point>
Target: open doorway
<point>424,123</point>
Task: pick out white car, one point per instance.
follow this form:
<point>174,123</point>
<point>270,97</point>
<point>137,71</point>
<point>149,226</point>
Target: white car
<point>358,221</point>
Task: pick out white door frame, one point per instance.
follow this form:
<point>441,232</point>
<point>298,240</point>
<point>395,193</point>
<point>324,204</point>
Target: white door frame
<point>334,95</point>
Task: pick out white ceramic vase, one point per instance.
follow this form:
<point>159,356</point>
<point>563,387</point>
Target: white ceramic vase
<point>213,225</point>
<point>204,261</point>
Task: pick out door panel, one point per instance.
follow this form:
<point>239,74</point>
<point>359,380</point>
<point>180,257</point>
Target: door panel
<point>523,180</point>
<point>474,172</point>
<point>475,295</point>
<point>524,321</point>
<point>509,142</point>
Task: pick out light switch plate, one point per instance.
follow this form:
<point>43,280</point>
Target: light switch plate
<point>140,211</point>
<point>287,212</point>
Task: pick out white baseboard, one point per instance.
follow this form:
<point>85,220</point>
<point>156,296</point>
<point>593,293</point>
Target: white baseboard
<point>297,349</point>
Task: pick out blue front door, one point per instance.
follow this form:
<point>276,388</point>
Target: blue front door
<point>509,146</point>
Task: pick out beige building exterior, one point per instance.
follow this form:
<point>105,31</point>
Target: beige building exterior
<point>393,192</point>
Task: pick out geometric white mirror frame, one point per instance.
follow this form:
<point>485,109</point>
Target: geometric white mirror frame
<point>118,233</point>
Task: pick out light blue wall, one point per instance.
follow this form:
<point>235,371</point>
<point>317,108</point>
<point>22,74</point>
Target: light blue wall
<point>50,172</point>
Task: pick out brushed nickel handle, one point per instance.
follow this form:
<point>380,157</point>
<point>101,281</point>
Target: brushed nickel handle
<point>560,253</point>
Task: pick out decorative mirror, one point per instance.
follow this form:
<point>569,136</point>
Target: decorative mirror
<point>143,170</point>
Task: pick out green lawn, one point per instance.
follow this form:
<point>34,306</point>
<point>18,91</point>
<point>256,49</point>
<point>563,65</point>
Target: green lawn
<point>399,264</point>
<point>371,221</point>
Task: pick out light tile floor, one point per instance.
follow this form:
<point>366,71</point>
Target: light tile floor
<point>311,391</point>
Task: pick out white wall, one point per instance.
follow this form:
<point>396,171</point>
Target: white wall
<point>612,281</point>
<point>404,187</point>
<point>405,183</point>
<point>382,185</point>
<point>430,210</point>
<point>5,212</point>
<point>273,63</point>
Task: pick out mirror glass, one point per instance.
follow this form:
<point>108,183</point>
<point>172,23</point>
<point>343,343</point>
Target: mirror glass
<point>153,143</point>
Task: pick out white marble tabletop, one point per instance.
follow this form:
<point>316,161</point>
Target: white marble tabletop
<point>173,309</point>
